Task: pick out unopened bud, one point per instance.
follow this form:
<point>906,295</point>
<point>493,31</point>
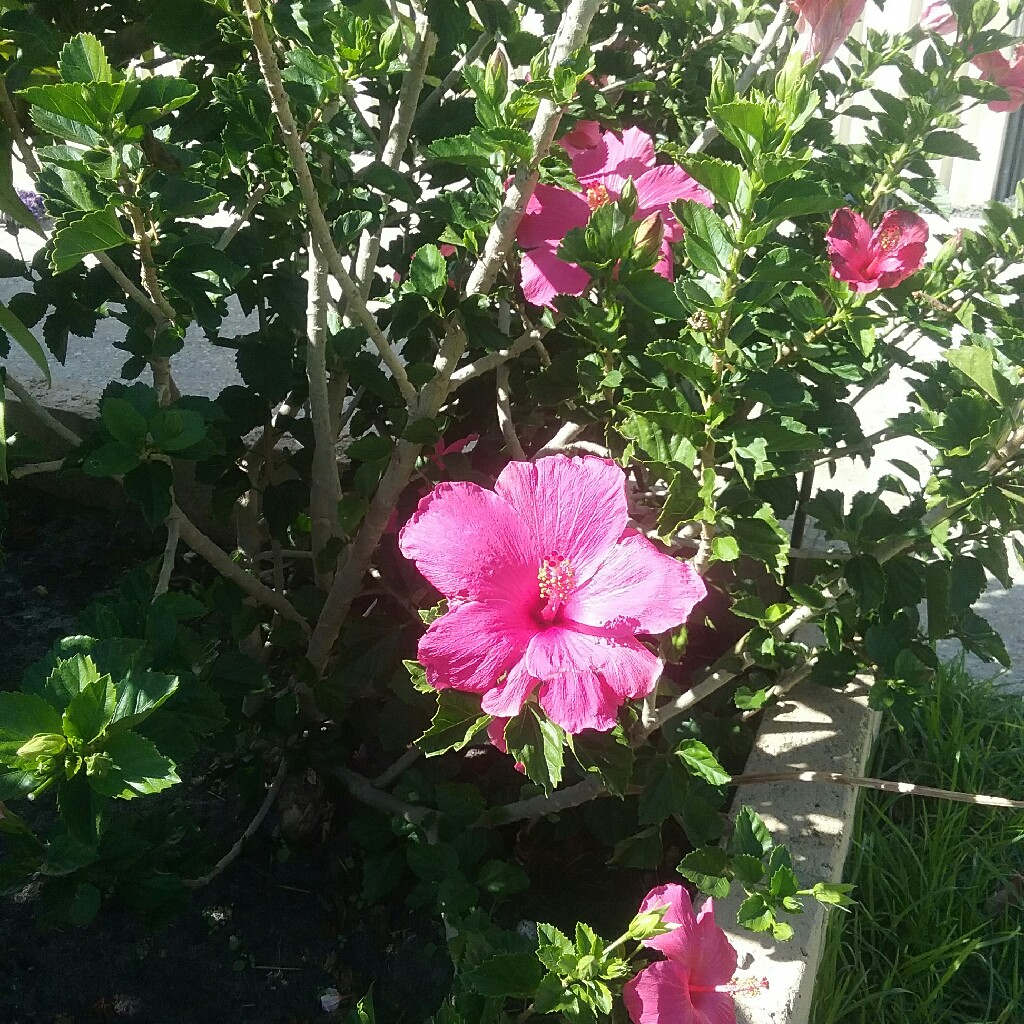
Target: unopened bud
<point>648,924</point>
<point>43,745</point>
<point>647,238</point>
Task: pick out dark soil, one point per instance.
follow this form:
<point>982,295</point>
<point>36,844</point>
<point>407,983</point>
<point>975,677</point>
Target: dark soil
<point>259,945</point>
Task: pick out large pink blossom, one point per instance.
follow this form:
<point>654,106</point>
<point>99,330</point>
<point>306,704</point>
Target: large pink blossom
<point>693,984</point>
<point>1008,73</point>
<point>882,258</point>
<point>824,25</point>
<point>938,17</point>
<point>547,590</point>
<point>602,163</point>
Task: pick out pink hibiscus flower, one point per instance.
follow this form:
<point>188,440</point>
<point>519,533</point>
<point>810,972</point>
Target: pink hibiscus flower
<point>694,984</point>
<point>884,258</point>
<point>1006,73</point>
<point>824,25</point>
<point>938,17</point>
<point>547,590</point>
<point>602,162</point>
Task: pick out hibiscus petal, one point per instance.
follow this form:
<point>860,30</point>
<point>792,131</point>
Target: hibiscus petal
<point>665,264</point>
<point>711,957</point>
<point>615,160</point>
<point>664,184</point>
<point>629,669</point>
<point>550,214</point>
<point>713,1008</point>
<point>543,276</point>
<point>910,228</point>
<point>586,135</point>
<point>849,247</point>
<point>573,507</point>
<point>659,994</point>
<point>637,589</point>
<point>507,700</point>
<point>572,693</point>
<point>474,644</point>
<point>469,543</point>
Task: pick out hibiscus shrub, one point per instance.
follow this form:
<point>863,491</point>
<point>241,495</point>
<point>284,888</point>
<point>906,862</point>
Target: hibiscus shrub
<point>559,319</point>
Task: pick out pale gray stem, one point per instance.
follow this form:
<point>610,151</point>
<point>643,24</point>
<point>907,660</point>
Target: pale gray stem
<point>566,435</point>
<point>749,73</point>
<point>455,74</point>
<point>392,772</point>
<point>163,582</point>
<point>504,405</point>
<point>355,307</point>
<point>233,854</point>
<point>10,117</point>
<point>325,489</point>
<point>881,785</point>
<point>239,222</point>
<point>42,415</point>
<point>364,790</point>
<point>396,143</point>
<point>35,468</point>
<point>493,360</point>
<point>132,290</point>
<point>223,563</point>
<point>571,35</point>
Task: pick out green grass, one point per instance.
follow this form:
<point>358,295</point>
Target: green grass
<point>938,935</point>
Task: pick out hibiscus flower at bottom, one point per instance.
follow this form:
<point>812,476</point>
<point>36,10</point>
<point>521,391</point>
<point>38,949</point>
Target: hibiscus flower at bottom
<point>693,984</point>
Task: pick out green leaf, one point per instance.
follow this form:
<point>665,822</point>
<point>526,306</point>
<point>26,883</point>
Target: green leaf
<point>90,710</point>
<point>742,123</point>
<point>95,232</point>
<point>655,293</point>
<point>702,763</point>
<point>157,97</point>
<point>607,754</point>
<point>84,60</point>
<point>84,905</point>
<point>867,580</point>
<point>139,694</point>
<point>457,721</point>
<point>833,894</point>
<point>978,364</point>
<point>665,794</point>
<point>537,743</point>
<point>69,677</point>
<point>428,273</point>
<point>390,182</point>
<point>112,459</point>
<point>124,423</point>
<point>719,176</point>
<point>506,976</point>
<point>754,914</point>
<point>22,716</point>
<point>750,835</point>
<point>940,143</point>
<point>725,549</point>
<point>748,870</point>
<point>174,430</point>
<point>25,338</point>
<point>707,238</point>
<point>707,868</point>
<point>130,765</point>
<point>150,486</point>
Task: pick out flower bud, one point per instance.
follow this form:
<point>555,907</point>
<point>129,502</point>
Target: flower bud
<point>43,744</point>
<point>648,924</point>
<point>647,238</point>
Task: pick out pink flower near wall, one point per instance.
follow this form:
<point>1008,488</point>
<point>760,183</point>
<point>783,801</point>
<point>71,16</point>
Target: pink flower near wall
<point>547,591</point>
<point>693,984</point>
<point>882,258</point>
<point>823,26</point>
<point>602,162</point>
<point>938,17</point>
<point>1006,73</point>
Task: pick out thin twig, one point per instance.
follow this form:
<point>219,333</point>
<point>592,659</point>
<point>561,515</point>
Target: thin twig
<point>453,76</point>
<point>132,290</point>
<point>223,563</point>
<point>10,116</point>
<point>392,772</point>
<point>35,468</point>
<point>493,360</point>
<point>232,855</point>
<point>564,438</point>
<point>504,409</point>
<point>163,582</point>
<point>355,306</point>
<point>882,785</point>
<point>364,791</point>
<point>42,415</point>
<point>747,76</point>
<point>396,143</point>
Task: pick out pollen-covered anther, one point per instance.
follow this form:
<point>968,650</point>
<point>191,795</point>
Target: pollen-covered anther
<point>888,238</point>
<point>597,196</point>
<point>557,580</point>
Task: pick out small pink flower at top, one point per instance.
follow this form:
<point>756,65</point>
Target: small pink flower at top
<point>824,25</point>
<point>496,734</point>
<point>938,17</point>
<point>547,590</point>
<point>1006,73</point>
<point>884,258</point>
<point>693,985</point>
<point>602,162</point>
<point>441,449</point>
